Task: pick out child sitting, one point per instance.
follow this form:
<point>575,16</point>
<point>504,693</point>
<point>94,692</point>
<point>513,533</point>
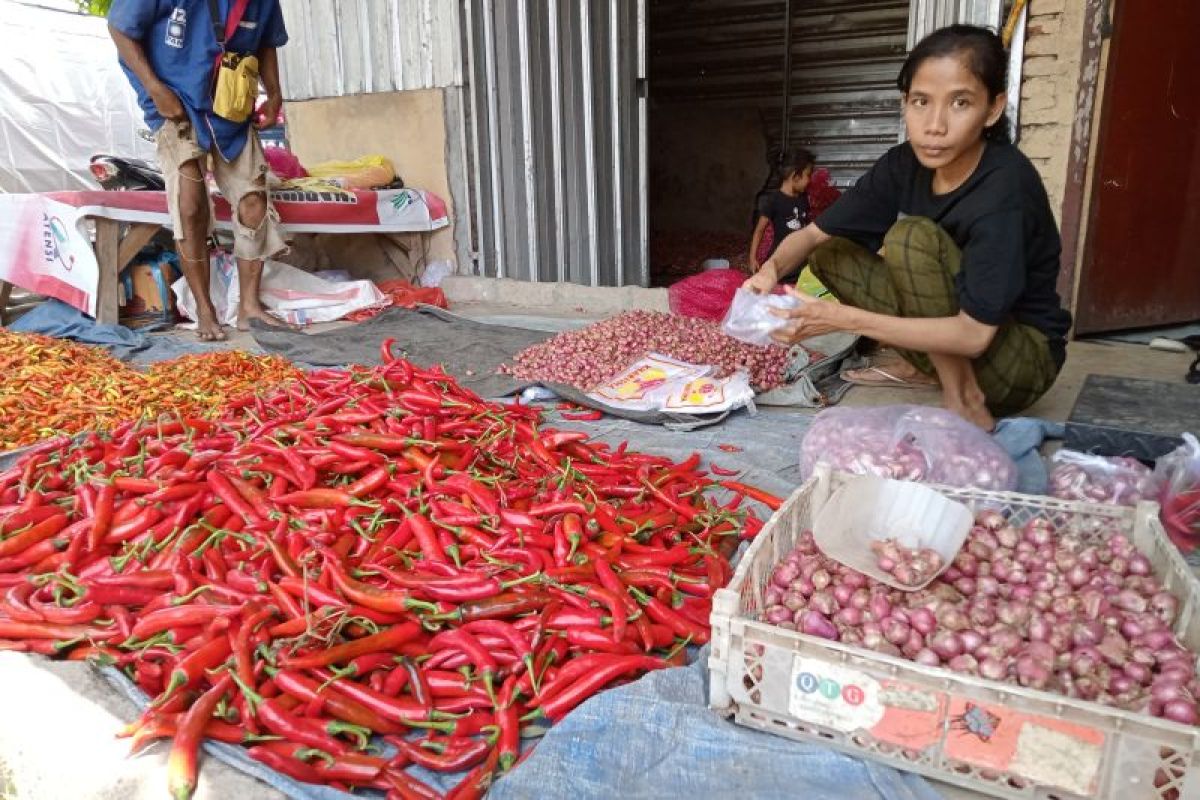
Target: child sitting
<point>784,210</point>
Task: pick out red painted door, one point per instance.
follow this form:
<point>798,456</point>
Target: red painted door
<point>1142,258</point>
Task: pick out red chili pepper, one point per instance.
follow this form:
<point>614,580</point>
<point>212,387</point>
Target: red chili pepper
<point>766,498</point>
<point>313,733</point>
<point>567,697</point>
<point>663,615</point>
<point>317,498</point>
<point>387,639</point>
<point>406,787</point>
<point>370,482</point>
<point>123,483</point>
<point>28,516</point>
<point>478,780</point>
<point>285,764</point>
<point>103,519</point>
<point>192,667</point>
<point>39,532</point>
<point>583,416</point>
<point>178,617</point>
<point>181,764</point>
<point>391,709</point>
<point>338,704</point>
<point>230,496</point>
<point>427,539</point>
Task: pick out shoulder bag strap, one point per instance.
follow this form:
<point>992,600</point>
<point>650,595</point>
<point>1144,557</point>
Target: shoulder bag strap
<point>235,18</point>
<point>214,13</point>
<point>225,33</point>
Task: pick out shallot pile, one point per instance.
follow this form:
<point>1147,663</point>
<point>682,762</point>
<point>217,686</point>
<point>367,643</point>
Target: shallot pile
<point>1025,605</point>
<point>909,566</point>
<point>908,443</point>
<point>588,356</point>
<point>1119,481</point>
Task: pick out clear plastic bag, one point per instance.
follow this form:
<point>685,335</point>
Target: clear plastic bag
<point>1179,475</point>
<point>911,443</point>
<point>750,318</point>
<point>1089,478</point>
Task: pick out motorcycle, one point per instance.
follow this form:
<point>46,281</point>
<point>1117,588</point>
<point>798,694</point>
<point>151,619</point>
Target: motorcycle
<point>120,174</point>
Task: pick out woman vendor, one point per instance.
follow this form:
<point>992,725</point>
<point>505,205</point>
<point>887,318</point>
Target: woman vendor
<point>965,288</point>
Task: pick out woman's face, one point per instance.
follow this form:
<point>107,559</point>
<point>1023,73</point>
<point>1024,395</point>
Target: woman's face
<point>946,110</point>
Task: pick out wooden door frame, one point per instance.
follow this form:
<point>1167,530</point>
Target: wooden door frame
<point>1097,26</point>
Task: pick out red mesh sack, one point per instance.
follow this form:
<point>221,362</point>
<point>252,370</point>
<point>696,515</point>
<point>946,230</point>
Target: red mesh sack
<point>709,294</point>
<point>706,295</point>
<point>821,193</point>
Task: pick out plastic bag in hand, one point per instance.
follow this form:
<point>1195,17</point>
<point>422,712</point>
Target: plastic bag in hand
<point>911,443</point>
<point>750,318</point>
<point>1088,478</point>
<point>1179,472</point>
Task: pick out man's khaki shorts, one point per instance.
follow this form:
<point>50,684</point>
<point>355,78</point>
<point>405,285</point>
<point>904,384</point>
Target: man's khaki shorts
<point>246,174</point>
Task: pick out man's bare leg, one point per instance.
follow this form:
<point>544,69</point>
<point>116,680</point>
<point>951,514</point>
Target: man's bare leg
<point>252,211</point>
<point>960,390</point>
<point>192,243</point>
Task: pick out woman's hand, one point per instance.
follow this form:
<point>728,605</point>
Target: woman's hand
<point>812,318</point>
<point>764,280</point>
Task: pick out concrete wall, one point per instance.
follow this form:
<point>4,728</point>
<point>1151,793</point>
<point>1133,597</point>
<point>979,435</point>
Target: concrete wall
<point>408,127</point>
<point>1049,85</point>
<point>706,164</point>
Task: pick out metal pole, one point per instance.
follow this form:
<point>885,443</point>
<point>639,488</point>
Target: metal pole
<point>785,126</point>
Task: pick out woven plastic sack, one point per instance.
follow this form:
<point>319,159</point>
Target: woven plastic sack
<point>1089,478</point>
<point>910,443</point>
<point>1179,474</point>
<point>706,295</point>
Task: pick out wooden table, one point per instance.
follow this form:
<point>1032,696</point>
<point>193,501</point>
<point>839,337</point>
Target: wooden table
<point>125,222</point>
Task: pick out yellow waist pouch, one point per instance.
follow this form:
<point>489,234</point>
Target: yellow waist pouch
<point>236,87</point>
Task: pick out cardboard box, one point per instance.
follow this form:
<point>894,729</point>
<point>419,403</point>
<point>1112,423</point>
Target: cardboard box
<point>146,288</point>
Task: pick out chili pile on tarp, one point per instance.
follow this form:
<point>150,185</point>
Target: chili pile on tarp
<point>359,555</point>
<point>54,386</point>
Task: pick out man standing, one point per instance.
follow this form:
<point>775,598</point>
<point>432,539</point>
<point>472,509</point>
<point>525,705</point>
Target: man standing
<point>169,50</point>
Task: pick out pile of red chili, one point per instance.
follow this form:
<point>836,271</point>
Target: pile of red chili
<point>373,553</point>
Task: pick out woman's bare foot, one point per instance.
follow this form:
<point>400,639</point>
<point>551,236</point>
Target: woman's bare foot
<point>261,314</point>
<point>974,411</point>
<point>208,329</point>
<point>893,372</point>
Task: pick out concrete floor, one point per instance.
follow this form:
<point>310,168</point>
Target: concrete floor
<point>1083,359</point>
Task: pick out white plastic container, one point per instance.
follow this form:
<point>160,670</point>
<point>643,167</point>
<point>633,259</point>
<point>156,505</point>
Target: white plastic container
<point>868,508</point>
<point>995,738</point>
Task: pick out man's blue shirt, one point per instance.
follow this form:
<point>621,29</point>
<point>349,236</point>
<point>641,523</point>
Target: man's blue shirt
<point>182,48</point>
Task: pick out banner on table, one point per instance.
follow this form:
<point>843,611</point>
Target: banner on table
<point>300,210</point>
<point>45,248</point>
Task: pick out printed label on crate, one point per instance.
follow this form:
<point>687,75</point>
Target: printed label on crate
<point>1048,751</point>
<point>912,717</point>
<point>833,696</point>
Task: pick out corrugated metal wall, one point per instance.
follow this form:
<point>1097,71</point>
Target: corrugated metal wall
<point>929,15</point>
<point>845,57</point>
<point>343,47</point>
<point>559,132</point>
